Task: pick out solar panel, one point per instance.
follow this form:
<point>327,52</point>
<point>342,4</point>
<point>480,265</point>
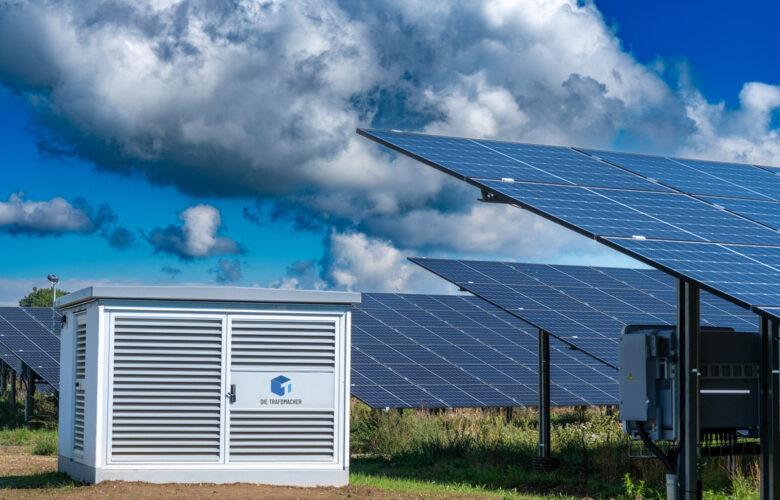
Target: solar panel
<point>587,307</point>
<point>449,351</point>
<point>747,273</point>
<point>617,213</point>
<point>10,359</point>
<point>662,219</point>
<point>699,177</point>
<point>480,159</point>
<point>764,212</point>
<point>27,333</point>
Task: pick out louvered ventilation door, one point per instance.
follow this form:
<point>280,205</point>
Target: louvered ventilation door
<point>283,346</point>
<point>166,389</point>
<point>79,390</point>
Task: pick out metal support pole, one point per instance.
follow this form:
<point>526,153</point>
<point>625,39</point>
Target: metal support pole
<point>688,417</point>
<point>544,394</point>
<point>544,460</point>
<point>770,409</point>
<point>3,380</point>
<point>13,390</point>
<point>29,397</point>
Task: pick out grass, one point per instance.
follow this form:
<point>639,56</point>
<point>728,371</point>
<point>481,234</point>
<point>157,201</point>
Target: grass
<point>464,453</point>
<point>479,451</point>
<point>435,488</point>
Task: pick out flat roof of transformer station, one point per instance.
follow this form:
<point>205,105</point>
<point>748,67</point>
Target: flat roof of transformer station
<point>207,294</point>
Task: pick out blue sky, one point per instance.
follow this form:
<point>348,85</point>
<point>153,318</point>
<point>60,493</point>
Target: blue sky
<point>144,114</point>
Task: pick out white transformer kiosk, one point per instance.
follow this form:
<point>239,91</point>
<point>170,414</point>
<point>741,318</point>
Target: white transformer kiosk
<point>205,385</point>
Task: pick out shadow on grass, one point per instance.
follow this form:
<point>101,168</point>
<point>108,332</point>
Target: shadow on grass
<point>485,473</point>
<point>44,480</point>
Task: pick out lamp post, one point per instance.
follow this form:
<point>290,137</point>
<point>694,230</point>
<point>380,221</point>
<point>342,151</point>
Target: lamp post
<point>53,279</point>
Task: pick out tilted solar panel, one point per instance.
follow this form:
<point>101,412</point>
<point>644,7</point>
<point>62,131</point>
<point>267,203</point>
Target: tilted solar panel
<point>587,307</point>
<point>660,217</point>
<point>698,177</point>
<point>27,333</point>
<point>429,351</point>
<point>10,359</point>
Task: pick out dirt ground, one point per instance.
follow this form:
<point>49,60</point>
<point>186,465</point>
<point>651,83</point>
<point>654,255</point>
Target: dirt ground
<point>28,477</point>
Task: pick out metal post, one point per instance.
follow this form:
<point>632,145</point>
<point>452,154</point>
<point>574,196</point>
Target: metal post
<point>29,397</point>
<point>12,401</point>
<point>688,418</point>
<point>3,381</point>
<point>544,460</point>
<point>544,394</point>
<point>770,409</point>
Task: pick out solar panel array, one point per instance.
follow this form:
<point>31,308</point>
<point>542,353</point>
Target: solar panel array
<point>709,222</point>
<point>27,333</point>
<point>584,306</point>
<point>450,351</point>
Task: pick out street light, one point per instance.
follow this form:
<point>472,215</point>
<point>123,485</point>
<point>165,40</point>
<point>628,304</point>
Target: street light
<point>53,279</point>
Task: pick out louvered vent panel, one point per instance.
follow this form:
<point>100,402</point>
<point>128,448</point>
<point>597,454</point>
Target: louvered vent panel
<point>166,389</point>
<point>280,344</point>
<point>79,394</point>
<point>282,435</point>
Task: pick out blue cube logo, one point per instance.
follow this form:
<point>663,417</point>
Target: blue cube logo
<point>281,385</point>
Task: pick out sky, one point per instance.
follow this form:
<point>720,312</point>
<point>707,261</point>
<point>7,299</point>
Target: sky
<point>169,142</point>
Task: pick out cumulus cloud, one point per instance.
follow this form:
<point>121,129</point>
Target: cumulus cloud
<point>262,99</point>
<point>746,134</point>
<point>58,216</point>
<point>358,262</point>
<point>227,271</point>
<point>196,237</point>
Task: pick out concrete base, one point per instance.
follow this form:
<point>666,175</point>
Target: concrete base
<point>221,475</point>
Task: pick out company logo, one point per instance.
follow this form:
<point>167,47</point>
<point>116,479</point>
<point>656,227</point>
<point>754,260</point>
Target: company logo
<point>281,385</point>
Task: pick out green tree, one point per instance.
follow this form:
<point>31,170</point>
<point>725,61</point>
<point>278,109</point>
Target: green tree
<point>40,297</point>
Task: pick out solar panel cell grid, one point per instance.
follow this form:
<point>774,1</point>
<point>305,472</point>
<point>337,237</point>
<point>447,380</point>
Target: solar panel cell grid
<point>681,174</point>
<point>589,316</point>
<point>451,365</point>
<point>26,333</point>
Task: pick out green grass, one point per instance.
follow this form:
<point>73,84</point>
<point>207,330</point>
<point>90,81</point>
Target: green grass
<point>435,488</point>
<point>479,451</point>
<point>45,443</point>
<point>458,453</point>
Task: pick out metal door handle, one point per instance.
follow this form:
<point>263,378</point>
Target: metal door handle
<point>232,394</point>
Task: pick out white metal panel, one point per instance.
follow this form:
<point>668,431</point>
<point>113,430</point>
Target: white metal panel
<point>282,343</point>
<point>166,392</point>
<point>67,397</point>
<point>299,423</point>
<point>296,435</point>
<point>79,406</point>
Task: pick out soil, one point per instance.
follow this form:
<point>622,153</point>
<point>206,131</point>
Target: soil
<point>28,477</point>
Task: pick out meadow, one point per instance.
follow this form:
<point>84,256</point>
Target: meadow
<point>474,453</point>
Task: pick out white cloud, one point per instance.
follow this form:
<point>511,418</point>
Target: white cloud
<point>262,100</point>
<point>745,134</point>
<point>196,237</point>
<point>358,262</point>
<point>47,217</point>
